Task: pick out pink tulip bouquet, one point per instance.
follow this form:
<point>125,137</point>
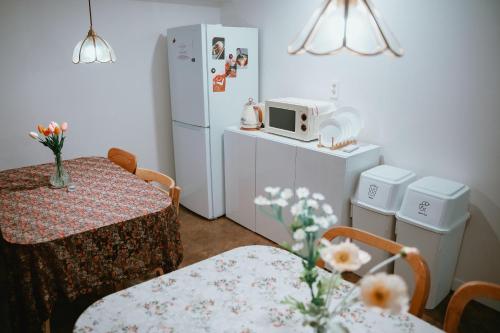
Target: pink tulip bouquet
<point>311,217</point>
<point>53,137</point>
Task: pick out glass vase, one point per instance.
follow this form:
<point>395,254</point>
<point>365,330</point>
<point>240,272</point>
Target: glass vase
<point>60,178</point>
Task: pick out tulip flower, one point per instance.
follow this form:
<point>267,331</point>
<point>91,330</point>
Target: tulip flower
<point>51,136</point>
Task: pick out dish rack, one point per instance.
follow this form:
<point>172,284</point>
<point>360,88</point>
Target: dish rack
<point>334,145</point>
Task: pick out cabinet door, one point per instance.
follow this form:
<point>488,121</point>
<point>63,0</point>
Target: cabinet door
<point>275,166</point>
<point>324,173</point>
<point>239,171</point>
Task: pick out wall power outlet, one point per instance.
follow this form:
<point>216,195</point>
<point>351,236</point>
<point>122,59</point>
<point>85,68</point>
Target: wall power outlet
<point>334,89</point>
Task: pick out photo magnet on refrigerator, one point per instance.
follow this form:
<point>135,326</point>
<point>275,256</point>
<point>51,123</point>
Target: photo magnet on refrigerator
<point>242,57</point>
<point>218,46</point>
<point>230,66</point>
<point>219,83</point>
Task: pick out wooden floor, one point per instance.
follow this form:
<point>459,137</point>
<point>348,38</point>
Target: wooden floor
<point>203,239</point>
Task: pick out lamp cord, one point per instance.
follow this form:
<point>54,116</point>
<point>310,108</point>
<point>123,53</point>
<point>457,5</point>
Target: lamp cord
<point>90,15</point>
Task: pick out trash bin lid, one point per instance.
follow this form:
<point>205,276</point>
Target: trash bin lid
<point>439,187</point>
<point>389,174</point>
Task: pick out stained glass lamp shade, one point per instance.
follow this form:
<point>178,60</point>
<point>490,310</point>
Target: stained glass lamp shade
<point>93,48</point>
<point>354,25</point>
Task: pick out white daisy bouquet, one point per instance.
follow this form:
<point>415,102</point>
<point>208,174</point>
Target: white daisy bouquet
<point>311,217</point>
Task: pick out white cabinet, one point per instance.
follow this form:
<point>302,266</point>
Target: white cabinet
<point>239,153</point>
<point>254,160</point>
<point>274,166</point>
<point>333,176</point>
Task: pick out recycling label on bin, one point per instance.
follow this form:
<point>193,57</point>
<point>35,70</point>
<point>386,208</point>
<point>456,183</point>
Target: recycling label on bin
<point>424,208</point>
<point>373,193</point>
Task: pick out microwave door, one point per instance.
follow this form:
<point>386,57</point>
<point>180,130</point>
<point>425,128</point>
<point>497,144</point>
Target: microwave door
<point>283,119</point>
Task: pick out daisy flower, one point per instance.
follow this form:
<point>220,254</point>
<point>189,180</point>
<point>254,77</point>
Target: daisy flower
<point>280,202</point>
<point>318,196</point>
<point>273,191</point>
<point>302,192</point>
<point>311,228</point>
<point>312,203</point>
<point>297,208</point>
<point>262,201</point>
<point>327,209</point>
<point>384,291</point>
<point>286,194</point>
<point>345,256</point>
<point>299,235</point>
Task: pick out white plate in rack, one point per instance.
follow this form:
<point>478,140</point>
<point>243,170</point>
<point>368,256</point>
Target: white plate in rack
<point>354,117</point>
<point>329,129</point>
<point>346,126</point>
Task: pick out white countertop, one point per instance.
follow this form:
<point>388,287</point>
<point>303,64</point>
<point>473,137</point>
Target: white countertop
<point>312,145</point>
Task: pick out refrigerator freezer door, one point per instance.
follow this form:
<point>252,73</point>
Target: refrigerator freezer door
<point>192,167</point>
<point>188,86</point>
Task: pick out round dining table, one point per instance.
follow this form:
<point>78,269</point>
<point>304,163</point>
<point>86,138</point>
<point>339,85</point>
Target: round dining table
<point>241,290</point>
<point>57,245</point>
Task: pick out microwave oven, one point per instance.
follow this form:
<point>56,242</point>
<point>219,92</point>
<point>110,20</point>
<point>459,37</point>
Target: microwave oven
<point>296,118</point>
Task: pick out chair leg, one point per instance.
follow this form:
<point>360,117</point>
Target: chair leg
<point>46,326</point>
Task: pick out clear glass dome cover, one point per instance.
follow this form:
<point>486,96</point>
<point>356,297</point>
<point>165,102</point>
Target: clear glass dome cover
<point>355,25</point>
<point>93,48</point>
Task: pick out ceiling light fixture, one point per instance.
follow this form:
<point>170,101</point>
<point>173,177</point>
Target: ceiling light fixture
<point>354,25</point>
<point>93,48</point>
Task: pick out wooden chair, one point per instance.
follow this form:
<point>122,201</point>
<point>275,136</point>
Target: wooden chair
<point>173,191</point>
<point>123,158</point>
<point>153,176</point>
<point>462,296</point>
<point>417,263</point>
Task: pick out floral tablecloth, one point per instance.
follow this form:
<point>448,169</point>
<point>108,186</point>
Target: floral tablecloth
<point>58,245</point>
<point>238,291</point>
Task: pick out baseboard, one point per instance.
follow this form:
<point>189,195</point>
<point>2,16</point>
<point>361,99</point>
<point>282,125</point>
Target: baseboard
<point>488,302</point>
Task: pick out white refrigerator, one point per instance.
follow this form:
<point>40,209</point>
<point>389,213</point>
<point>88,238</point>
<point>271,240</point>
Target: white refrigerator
<point>213,72</point>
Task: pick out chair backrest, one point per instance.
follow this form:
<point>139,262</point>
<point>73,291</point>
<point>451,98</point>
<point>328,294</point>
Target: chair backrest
<point>123,158</point>
<point>157,177</point>
<point>175,194</point>
<point>416,262</point>
<point>462,296</point>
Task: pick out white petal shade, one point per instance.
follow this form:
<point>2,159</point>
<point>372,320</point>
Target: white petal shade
<point>355,25</point>
<point>93,48</point>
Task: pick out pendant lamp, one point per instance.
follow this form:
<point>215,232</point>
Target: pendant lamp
<point>354,25</point>
<point>93,48</point>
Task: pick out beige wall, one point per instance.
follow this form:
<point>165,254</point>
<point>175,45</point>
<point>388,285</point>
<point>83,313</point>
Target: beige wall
<point>126,104</point>
<point>435,111</point>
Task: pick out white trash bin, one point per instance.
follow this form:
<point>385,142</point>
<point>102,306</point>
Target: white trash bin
<point>432,218</point>
<point>374,205</point>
